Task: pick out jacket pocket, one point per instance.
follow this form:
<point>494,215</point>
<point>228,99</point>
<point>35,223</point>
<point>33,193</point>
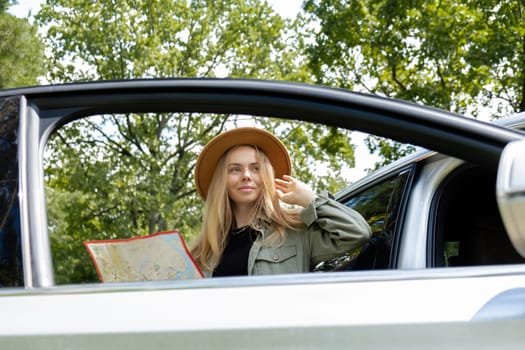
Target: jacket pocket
<point>276,260</point>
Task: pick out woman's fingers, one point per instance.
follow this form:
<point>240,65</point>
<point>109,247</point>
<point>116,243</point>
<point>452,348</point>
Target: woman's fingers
<point>286,183</point>
<point>291,191</point>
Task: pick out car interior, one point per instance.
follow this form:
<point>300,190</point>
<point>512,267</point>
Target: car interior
<point>468,229</point>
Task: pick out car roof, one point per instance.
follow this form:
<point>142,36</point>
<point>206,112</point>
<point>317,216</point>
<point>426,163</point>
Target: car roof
<point>515,121</point>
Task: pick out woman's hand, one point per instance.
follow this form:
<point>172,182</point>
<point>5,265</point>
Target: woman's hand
<point>292,191</point>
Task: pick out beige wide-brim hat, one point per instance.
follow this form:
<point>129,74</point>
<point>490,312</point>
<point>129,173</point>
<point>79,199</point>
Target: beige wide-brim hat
<point>220,144</point>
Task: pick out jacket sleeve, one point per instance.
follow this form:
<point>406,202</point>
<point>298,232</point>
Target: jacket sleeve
<point>332,228</point>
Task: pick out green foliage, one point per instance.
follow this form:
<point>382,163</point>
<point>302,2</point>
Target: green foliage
<point>388,150</point>
<point>22,58</point>
<point>122,39</point>
<point>458,56</point>
<point>466,56</point>
<point>4,5</point>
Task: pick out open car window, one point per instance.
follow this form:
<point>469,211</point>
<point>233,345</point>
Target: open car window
<point>120,176</point>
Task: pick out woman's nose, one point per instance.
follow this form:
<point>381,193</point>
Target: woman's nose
<point>246,174</point>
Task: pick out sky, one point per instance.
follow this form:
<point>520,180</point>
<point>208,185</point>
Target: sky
<point>286,8</point>
<point>24,7</point>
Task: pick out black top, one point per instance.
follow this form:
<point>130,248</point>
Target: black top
<point>234,260</point>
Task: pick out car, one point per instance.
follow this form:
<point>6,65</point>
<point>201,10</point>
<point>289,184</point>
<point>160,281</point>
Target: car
<point>461,218</point>
<point>443,269</point>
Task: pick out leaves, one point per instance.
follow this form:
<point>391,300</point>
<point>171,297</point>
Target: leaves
<point>165,39</point>
<point>458,56</point>
<point>466,57</point>
<point>21,52</point>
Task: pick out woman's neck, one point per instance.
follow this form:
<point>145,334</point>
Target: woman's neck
<point>243,214</point>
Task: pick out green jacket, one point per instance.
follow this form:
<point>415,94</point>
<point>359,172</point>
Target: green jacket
<point>332,229</point>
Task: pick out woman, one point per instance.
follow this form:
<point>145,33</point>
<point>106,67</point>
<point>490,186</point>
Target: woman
<point>243,175</point>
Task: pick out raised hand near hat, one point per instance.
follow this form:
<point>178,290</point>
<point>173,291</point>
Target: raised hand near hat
<point>292,191</point>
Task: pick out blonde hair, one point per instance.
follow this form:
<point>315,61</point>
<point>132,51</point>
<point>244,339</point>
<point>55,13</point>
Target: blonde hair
<point>218,216</point>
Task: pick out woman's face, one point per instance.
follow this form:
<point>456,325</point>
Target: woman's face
<point>244,181</point>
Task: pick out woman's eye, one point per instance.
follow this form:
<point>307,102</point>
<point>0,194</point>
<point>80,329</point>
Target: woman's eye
<point>235,170</point>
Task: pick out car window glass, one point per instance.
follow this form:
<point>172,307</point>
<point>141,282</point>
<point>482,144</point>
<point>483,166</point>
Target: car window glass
<point>380,205</point>
<point>118,176</point>
<point>11,269</point>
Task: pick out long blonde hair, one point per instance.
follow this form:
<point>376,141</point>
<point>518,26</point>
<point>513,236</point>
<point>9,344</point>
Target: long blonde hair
<point>218,214</point>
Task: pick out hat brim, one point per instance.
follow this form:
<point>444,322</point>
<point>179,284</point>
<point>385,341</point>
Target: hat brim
<point>220,144</point>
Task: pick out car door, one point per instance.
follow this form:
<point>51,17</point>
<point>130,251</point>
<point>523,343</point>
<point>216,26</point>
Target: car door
<point>382,199</point>
<point>453,308</point>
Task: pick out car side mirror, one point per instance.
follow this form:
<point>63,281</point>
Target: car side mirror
<point>510,193</point>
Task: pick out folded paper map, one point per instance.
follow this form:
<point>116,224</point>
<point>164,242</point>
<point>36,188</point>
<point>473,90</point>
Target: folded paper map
<point>159,256</point>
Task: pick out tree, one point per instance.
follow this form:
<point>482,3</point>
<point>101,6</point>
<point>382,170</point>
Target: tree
<point>21,50</point>
<point>466,57</point>
<point>167,39</point>
<point>4,5</point>
<point>122,175</point>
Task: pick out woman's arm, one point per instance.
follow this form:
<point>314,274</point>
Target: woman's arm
<point>332,228</point>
